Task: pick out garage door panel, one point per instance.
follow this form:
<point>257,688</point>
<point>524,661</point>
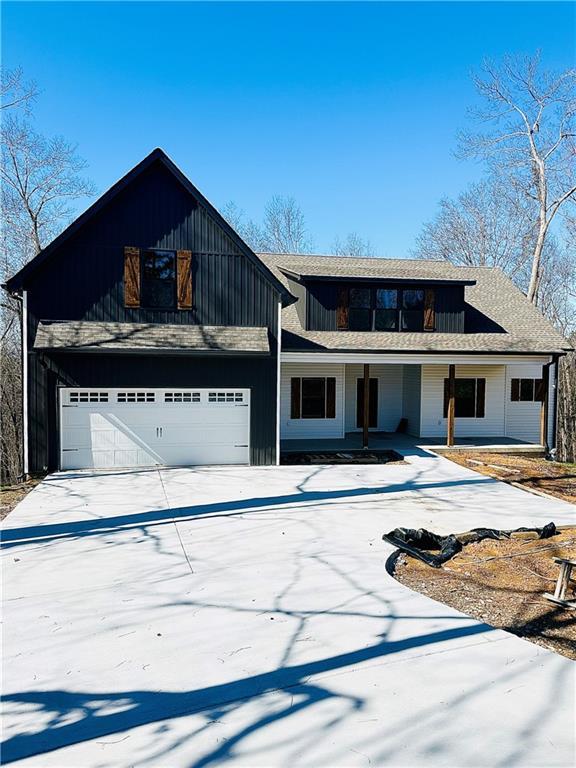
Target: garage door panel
<point>121,428</point>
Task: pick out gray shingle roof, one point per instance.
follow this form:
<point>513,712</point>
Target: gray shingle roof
<point>136,337</point>
<point>494,299</point>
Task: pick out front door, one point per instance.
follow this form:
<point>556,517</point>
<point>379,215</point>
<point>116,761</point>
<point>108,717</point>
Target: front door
<point>373,405</point>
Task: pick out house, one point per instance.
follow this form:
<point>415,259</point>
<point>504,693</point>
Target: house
<point>152,334</point>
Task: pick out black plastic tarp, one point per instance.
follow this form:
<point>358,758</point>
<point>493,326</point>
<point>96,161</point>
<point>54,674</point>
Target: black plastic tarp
<point>418,543</point>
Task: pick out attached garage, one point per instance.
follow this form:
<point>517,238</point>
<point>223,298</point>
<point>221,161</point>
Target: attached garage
<point>114,428</point>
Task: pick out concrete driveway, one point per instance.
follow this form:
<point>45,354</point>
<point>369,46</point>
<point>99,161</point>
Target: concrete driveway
<point>200,617</point>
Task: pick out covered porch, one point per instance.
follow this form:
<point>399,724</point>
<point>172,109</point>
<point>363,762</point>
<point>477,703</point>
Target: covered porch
<point>408,445</point>
<point>497,404</point>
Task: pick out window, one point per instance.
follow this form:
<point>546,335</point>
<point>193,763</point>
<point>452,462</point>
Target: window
<point>469,396</point>
<point>313,398</point>
<point>88,397</point>
<point>135,397</point>
<point>225,397</point>
<point>384,309</point>
<point>412,310</point>
<point>159,279</point>
<point>527,390</point>
<point>360,312</point>
<point>386,312</point>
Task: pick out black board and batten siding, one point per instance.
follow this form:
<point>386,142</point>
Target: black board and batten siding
<point>322,305</point>
<point>83,280</point>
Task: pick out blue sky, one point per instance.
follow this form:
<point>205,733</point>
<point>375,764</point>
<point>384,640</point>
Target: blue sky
<point>352,108</point>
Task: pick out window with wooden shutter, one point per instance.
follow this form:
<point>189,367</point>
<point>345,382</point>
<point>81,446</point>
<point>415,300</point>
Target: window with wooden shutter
<point>343,294</point>
<point>131,277</point>
<point>429,313</point>
<point>184,279</point>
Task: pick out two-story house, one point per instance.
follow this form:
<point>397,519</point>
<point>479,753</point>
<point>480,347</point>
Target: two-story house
<point>153,335</point>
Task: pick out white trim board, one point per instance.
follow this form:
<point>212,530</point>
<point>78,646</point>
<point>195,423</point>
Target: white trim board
<point>415,359</point>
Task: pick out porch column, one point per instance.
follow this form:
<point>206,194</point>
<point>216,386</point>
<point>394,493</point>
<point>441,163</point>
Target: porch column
<point>366,414</point>
<point>544,407</point>
<point>451,404</point>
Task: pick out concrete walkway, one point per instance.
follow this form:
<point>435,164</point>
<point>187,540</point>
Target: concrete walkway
<point>212,616</point>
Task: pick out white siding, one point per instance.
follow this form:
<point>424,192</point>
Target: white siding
<point>389,395</point>
<point>522,418</point>
<point>311,428</point>
<point>433,422</point>
<point>411,397</point>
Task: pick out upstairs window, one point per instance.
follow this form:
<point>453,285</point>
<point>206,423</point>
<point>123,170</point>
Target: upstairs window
<point>412,309</point>
<point>385,309</point>
<point>527,390</point>
<point>360,312</point>
<point>159,279</point>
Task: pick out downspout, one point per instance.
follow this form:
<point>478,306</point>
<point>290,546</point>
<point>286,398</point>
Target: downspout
<point>24,332</point>
<point>547,447</point>
<point>278,382</point>
<point>555,362</point>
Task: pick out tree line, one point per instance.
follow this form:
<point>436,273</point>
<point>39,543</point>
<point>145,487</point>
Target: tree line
<point>521,216</point>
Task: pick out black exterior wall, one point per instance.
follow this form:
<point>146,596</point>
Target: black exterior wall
<point>100,370</point>
<point>322,305</point>
<point>83,280</point>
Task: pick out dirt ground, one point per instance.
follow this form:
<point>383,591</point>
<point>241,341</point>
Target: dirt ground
<point>551,477</point>
<point>10,495</point>
<point>502,584</point>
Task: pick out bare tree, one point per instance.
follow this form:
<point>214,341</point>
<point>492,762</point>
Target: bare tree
<point>487,225</point>
<point>283,229</point>
<point>15,91</point>
<point>352,245</point>
<point>40,181</point>
<point>527,136</point>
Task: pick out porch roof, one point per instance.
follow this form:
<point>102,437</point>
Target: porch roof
<point>78,336</point>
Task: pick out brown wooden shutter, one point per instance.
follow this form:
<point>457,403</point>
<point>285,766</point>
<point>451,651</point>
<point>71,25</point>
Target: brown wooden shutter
<point>429,312</point>
<point>295,398</point>
<point>342,296</point>
<point>373,407</point>
<point>131,276</point>
<point>515,390</point>
<point>446,397</point>
<point>184,279</point>
<point>480,398</point>
<point>331,398</point>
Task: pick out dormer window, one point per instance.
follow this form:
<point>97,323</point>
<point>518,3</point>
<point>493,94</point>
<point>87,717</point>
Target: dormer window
<point>387,309</point>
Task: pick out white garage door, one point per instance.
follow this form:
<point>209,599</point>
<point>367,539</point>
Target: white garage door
<point>102,428</point>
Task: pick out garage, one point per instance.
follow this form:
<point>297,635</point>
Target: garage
<point>144,427</point>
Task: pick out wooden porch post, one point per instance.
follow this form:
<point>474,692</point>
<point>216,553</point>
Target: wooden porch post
<point>366,413</point>
<point>544,407</point>
<point>451,404</point>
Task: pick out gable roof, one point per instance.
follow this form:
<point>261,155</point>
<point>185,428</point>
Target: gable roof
<point>500,319</point>
<point>157,155</point>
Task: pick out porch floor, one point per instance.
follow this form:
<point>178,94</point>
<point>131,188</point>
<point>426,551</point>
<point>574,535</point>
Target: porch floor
<point>406,444</point>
